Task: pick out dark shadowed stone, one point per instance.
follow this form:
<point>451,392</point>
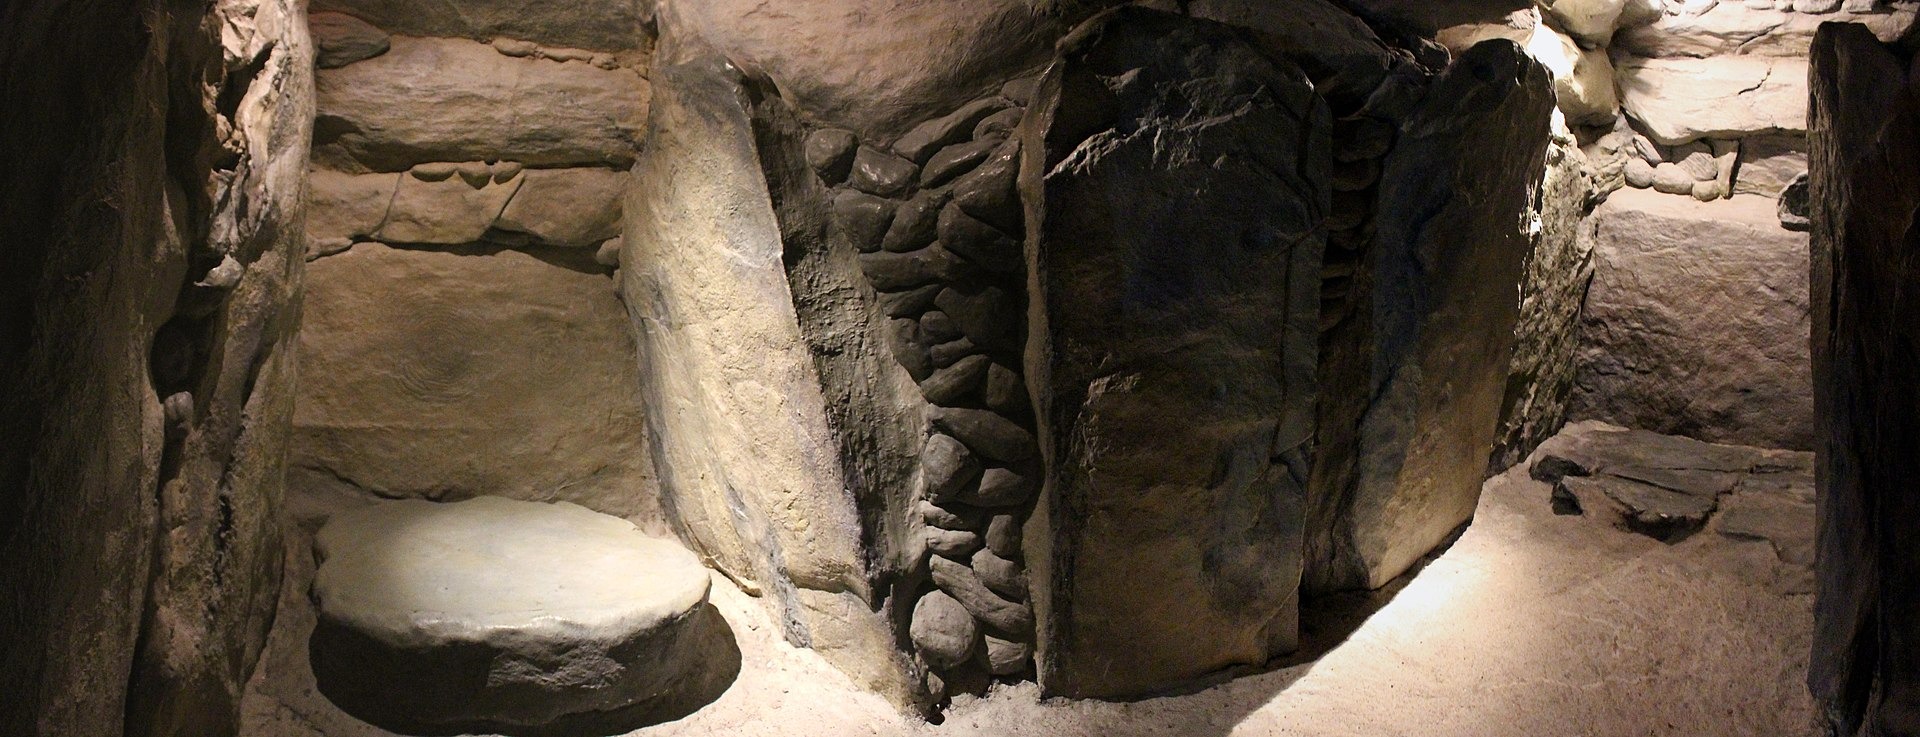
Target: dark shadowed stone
<point>910,303</point>
<point>950,385</point>
<point>340,39</point>
<point>947,467</point>
<point>938,327</point>
<point>955,160</point>
<point>1006,617</point>
<point>1864,136</point>
<point>988,191</point>
<point>830,152</point>
<point>987,433</point>
<point>903,337</point>
<point>880,173</point>
<point>863,218</point>
<point>1362,139</point>
<point>1000,124</point>
<point>943,630</point>
<point>1179,285</point>
<point>1000,487</point>
<point>1007,392</point>
<point>951,517</point>
<point>1007,657</point>
<point>892,272</point>
<point>989,316</point>
<point>1003,576</point>
<point>1602,450</point>
<point>1003,535</point>
<point>1663,514</point>
<point>915,223</point>
<point>955,544</point>
<point>979,242</point>
<point>1794,205</point>
<point>924,140</point>
<point>1422,364</point>
<point>950,352</point>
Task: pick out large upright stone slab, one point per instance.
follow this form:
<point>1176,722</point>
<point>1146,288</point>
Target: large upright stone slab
<point>1450,247</point>
<point>1175,177</point>
<point>749,470</point>
<point>1865,202</point>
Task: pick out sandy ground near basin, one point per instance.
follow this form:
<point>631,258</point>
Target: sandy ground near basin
<point>1531,624</point>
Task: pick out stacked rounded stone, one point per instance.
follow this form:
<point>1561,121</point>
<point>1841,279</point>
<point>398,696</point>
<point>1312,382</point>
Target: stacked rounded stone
<point>1703,168</point>
<point>519,617</point>
<point>938,224</point>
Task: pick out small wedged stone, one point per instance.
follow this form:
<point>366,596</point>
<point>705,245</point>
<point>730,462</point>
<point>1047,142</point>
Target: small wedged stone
<point>987,433</point>
<point>892,272</point>
<point>1002,576</point>
<point>947,467</point>
<point>988,191</point>
<point>1007,392</point>
<point>903,338</point>
<point>1007,657</point>
<point>916,223</point>
<point>434,171</point>
<point>960,582</point>
<point>864,218</point>
<point>1000,124</point>
<point>949,386</point>
<point>989,316</point>
<point>951,516</point>
<point>1000,487</point>
<point>475,173</point>
<point>924,140</point>
<point>879,173</point>
<point>943,630</point>
<point>952,352</point>
<point>955,544</point>
<point>829,152</point>
<point>979,242</point>
<point>1003,535</point>
<point>910,303</point>
<point>938,327</point>
<point>955,160</point>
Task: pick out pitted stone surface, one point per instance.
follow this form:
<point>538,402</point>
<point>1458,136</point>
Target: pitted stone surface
<point>496,612</point>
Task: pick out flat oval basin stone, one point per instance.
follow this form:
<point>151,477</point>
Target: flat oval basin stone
<point>511,616</point>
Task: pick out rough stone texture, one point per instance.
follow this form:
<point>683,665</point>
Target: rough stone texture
<point>943,630</point>
<point>1864,202</point>
<point>601,25</point>
<point>566,207</point>
<point>908,61</point>
<point>439,99</point>
<point>1166,546</point>
<point>1450,251</point>
<point>446,212</point>
<point>1668,487</point>
<point>150,148</point>
<point>1730,27</point>
<point>1591,21</point>
<point>347,207</point>
<point>1547,336</point>
<point>494,614</point>
<point>1680,100</point>
<point>1696,321</point>
<point>1769,163</point>
<point>1583,82</point>
<point>448,374</point>
<point>1335,48</point>
<point>749,467</point>
<point>340,39</point>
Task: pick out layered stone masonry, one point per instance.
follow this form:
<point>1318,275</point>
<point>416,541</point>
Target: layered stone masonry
<point>939,227</point>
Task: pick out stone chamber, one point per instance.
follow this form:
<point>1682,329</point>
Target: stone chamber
<point>996,367</point>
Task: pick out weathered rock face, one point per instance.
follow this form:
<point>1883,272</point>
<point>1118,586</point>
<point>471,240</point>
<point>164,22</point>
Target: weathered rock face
<point>749,467</point>
<point>1177,266</point>
<point>439,99</point>
<point>1448,254</point>
<point>1864,205</point>
<point>1680,100</point>
<point>1696,321</point>
<point>1711,29</point>
<point>600,25</point>
<point>447,374</point>
<point>908,60</point>
<point>148,295</point>
<point>493,614</point>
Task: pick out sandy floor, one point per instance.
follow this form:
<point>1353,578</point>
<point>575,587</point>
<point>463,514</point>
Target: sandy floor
<point>1531,624</point>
